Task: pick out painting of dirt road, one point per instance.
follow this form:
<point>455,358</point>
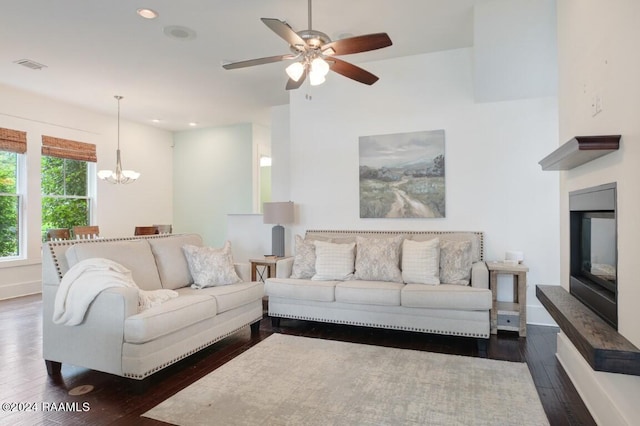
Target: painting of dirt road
<point>402,175</point>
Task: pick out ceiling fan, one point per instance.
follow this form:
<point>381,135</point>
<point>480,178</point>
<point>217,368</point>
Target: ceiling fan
<point>315,54</point>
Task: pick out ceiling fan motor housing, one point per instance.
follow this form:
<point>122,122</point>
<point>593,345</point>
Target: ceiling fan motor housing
<point>315,39</point>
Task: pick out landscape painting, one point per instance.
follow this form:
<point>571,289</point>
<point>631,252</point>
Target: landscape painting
<point>402,175</point>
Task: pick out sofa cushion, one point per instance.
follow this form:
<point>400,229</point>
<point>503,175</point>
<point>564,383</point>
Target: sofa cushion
<point>421,261</point>
<point>171,316</point>
<point>334,261</point>
<point>211,266</point>
<point>455,262</point>
<point>378,259</point>
<point>135,255</point>
<point>229,296</point>
<point>172,264</point>
<point>446,296</point>
<point>290,288</point>
<point>369,292</point>
<point>304,262</point>
<point>474,239</point>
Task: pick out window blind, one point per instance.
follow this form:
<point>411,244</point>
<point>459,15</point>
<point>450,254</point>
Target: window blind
<point>65,148</point>
<point>13,140</point>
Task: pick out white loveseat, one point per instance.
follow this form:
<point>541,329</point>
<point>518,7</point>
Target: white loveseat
<point>451,309</point>
<point>115,337</point>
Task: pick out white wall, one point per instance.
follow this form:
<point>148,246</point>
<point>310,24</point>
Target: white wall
<point>213,177</point>
<point>597,50</point>
<point>515,51</point>
<point>119,208</point>
<point>494,183</point>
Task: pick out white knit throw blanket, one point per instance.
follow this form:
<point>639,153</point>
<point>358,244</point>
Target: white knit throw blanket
<point>85,280</point>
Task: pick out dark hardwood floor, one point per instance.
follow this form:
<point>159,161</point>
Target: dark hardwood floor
<point>113,401</point>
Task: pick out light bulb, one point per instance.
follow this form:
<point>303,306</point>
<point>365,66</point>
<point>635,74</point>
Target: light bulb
<point>103,174</point>
<point>320,66</point>
<point>315,78</point>
<point>295,71</point>
<point>130,174</point>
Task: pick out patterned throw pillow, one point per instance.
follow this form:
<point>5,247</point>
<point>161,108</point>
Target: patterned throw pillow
<point>211,266</point>
<point>421,261</point>
<point>455,262</point>
<point>378,259</point>
<point>334,261</point>
<point>304,262</point>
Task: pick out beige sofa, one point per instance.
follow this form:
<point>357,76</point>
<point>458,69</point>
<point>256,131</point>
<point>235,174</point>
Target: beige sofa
<point>115,337</point>
<point>451,309</point>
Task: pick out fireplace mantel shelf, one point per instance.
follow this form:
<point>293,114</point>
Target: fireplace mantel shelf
<point>599,343</point>
<point>580,150</point>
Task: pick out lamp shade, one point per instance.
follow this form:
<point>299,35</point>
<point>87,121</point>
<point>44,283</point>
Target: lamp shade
<point>278,212</point>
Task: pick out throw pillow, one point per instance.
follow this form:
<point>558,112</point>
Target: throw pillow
<point>378,259</point>
<point>334,261</point>
<point>455,262</point>
<point>211,266</point>
<point>304,262</point>
<point>421,262</point>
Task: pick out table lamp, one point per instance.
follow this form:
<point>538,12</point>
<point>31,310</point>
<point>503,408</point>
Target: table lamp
<point>278,213</point>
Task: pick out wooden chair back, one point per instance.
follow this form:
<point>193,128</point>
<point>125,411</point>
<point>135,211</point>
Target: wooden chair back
<point>146,230</point>
<point>86,232</point>
<point>164,229</point>
<point>58,234</point>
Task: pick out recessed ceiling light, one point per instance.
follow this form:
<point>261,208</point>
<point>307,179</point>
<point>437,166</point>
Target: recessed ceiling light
<point>155,120</point>
<point>193,123</point>
<point>147,13</point>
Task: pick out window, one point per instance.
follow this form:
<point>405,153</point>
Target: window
<point>66,166</point>
<point>13,144</point>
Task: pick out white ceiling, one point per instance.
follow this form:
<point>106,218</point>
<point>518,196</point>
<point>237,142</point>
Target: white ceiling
<point>95,49</point>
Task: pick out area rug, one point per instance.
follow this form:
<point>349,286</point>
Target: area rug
<point>290,380</point>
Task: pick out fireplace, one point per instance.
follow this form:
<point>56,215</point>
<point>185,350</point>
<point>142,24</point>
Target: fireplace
<point>594,254</point>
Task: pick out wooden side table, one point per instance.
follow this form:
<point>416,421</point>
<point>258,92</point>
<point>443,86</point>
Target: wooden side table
<point>509,315</point>
<point>263,268</point>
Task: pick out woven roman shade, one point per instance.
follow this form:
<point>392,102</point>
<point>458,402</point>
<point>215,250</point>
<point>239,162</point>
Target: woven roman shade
<point>65,148</point>
<point>13,140</point>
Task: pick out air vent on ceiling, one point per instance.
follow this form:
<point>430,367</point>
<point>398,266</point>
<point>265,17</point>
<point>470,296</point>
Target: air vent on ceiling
<point>30,64</point>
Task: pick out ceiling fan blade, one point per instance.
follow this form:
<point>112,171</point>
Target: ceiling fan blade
<point>351,71</point>
<point>358,44</point>
<point>292,84</point>
<point>285,31</point>
<point>259,61</point>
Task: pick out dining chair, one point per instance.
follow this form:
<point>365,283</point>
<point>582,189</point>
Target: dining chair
<point>164,229</point>
<point>86,232</point>
<point>146,230</point>
<point>58,234</point>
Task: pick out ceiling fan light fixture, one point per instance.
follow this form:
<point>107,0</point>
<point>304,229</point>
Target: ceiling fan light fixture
<point>320,66</point>
<point>316,78</point>
<point>295,71</point>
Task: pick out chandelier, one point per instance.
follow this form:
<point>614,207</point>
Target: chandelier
<point>118,176</point>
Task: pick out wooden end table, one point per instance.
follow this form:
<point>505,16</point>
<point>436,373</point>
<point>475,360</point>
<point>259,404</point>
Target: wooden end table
<point>263,268</point>
<point>510,316</point>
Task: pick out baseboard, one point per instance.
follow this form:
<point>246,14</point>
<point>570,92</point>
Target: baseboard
<point>610,398</point>
<point>10,291</point>
<point>538,315</point>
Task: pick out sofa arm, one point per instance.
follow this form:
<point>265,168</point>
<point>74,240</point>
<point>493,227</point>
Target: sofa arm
<point>479,275</point>
<point>244,271</point>
<point>284,267</point>
<point>97,342</point>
